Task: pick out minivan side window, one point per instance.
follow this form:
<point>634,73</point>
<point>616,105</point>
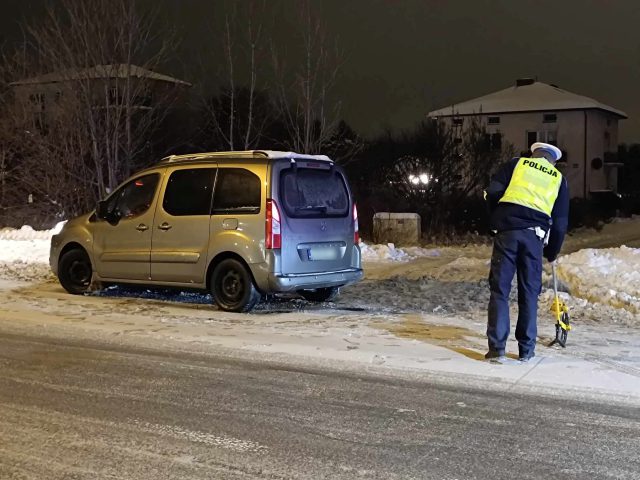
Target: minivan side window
<point>313,193</point>
<point>189,191</point>
<point>135,197</point>
<point>237,191</point>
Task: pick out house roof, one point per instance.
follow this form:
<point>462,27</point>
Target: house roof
<point>100,71</point>
<point>528,97</point>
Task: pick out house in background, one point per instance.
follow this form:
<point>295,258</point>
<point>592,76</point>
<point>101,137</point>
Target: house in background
<point>41,97</point>
<point>584,129</point>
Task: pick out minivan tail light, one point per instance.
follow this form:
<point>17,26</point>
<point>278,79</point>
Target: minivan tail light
<point>356,233</point>
<point>273,237</point>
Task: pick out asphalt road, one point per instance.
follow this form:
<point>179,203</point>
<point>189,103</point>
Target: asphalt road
<point>71,411</point>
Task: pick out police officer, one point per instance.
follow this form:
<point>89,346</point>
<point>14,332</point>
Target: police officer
<point>529,204</point>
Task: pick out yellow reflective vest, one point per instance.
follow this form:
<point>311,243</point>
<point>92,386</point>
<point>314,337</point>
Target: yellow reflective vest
<point>535,184</point>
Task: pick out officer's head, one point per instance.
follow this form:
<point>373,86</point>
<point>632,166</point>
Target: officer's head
<point>546,151</point>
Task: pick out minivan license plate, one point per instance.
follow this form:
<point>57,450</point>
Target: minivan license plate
<point>323,253</point>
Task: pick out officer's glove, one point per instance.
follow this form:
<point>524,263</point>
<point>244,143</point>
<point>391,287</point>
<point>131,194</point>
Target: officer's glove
<point>551,257</point>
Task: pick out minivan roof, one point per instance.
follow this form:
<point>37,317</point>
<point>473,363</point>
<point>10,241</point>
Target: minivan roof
<point>240,154</point>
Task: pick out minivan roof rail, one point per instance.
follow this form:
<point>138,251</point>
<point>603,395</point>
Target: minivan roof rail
<point>248,154</point>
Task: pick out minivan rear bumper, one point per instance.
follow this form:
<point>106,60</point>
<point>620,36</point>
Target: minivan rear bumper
<point>303,281</point>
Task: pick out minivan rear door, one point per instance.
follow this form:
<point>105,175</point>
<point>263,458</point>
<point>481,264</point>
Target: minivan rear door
<point>317,217</point>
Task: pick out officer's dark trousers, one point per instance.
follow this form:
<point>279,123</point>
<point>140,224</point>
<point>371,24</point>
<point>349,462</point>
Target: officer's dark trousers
<point>515,251</point>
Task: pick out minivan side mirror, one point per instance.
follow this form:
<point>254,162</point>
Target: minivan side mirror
<point>102,212</point>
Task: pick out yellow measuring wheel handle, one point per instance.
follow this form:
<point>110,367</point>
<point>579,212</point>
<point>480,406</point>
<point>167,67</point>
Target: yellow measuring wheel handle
<point>558,307</point>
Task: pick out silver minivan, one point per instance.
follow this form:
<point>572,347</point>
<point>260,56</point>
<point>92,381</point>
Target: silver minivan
<point>238,224</point>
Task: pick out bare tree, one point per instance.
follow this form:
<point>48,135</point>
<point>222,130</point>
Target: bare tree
<point>436,170</point>
<point>83,103</point>
<point>303,88</point>
<point>106,51</point>
<point>235,113</point>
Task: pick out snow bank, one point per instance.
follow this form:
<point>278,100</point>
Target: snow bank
<point>28,233</point>
<point>608,276</point>
<point>26,245</point>
<point>388,252</point>
<point>24,253</point>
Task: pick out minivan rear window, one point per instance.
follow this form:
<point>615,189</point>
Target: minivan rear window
<point>313,193</point>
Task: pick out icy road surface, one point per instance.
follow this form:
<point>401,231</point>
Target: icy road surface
<point>87,411</point>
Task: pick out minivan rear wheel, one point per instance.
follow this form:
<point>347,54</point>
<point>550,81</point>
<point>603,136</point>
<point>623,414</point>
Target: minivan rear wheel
<point>75,271</point>
<point>320,294</point>
<point>232,287</point>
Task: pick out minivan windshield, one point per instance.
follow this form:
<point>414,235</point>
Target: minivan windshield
<point>314,193</point>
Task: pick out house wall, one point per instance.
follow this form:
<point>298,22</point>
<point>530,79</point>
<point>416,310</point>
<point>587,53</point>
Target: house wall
<point>602,139</point>
<point>568,133</point>
<point>45,101</point>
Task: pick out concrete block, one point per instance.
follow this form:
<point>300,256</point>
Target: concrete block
<point>397,228</point>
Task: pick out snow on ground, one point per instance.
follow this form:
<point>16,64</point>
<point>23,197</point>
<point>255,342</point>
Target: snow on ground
<point>604,284</point>
<point>620,231</point>
<point>608,276</point>
<point>24,253</point>
<point>390,252</point>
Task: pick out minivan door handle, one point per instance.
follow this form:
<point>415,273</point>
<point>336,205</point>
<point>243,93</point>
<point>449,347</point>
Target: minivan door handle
<point>164,226</point>
<point>230,224</point>
<point>142,227</point>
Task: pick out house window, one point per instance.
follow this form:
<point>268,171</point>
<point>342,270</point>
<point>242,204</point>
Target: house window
<point>607,141</point>
<point>493,141</point>
<point>457,121</point>
<point>493,121</point>
<point>40,122</point>
<point>549,118</point>
<point>114,96</point>
<point>143,100</point>
<point>37,100</point>
<point>548,136</point>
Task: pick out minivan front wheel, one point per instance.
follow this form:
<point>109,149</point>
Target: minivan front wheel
<point>232,287</point>
<point>75,271</point>
<point>320,294</point>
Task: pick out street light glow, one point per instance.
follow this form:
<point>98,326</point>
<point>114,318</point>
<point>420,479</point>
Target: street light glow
<point>422,178</point>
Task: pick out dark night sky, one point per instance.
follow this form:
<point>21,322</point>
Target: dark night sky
<point>406,57</point>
